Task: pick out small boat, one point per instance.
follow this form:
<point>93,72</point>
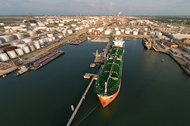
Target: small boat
<point>22,70</point>
<point>92,65</point>
<point>4,76</point>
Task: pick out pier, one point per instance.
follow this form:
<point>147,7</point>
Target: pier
<point>80,102</point>
<point>100,58</point>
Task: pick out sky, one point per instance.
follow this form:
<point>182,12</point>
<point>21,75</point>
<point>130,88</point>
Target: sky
<point>95,7</point>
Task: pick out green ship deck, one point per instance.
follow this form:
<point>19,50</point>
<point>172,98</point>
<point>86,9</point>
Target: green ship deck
<point>111,73</point>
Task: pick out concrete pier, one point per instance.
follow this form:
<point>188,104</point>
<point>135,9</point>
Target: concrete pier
<point>80,102</point>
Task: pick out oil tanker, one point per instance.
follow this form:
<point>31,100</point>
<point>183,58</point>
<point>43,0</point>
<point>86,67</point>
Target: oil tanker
<point>108,85</point>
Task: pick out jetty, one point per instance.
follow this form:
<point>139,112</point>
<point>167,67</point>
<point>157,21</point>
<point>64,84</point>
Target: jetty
<point>100,58</point>
<point>80,102</point>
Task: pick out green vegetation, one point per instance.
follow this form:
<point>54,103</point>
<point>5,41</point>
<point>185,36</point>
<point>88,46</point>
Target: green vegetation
<point>10,20</point>
<point>172,20</point>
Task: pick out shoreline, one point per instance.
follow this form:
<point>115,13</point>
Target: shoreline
<point>176,59</point>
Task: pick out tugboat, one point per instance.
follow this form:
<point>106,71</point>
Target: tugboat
<point>22,70</point>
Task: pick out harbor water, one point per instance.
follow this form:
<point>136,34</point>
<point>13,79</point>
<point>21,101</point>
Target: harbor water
<point>154,91</point>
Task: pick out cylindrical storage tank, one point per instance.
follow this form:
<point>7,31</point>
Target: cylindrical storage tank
<point>19,52</point>
<point>4,57</point>
<point>26,49</point>
<point>44,40</point>
<point>50,35</point>
<point>8,38</point>
<point>41,42</point>
<point>37,45</point>
<point>47,40</point>
<point>20,35</point>
<point>21,45</point>
<point>50,40</point>
<point>32,48</point>
<point>32,33</point>
<point>12,54</point>
<point>27,40</point>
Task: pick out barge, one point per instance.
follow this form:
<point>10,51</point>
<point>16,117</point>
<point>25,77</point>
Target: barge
<point>78,41</point>
<point>46,59</point>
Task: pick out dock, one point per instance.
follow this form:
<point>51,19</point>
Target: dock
<point>80,102</point>
<point>6,68</point>
<point>100,58</point>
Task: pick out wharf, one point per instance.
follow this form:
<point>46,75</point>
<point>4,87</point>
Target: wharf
<point>181,63</point>
<point>80,102</point>
<point>100,40</point>
<point>179,60</point>
<point>100,58</point>
<point>157,47</point>
<point>6,68</point>
<point>89,75</point>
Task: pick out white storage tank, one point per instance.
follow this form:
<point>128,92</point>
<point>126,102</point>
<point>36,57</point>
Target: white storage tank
<point>21,45</point>
<point>26,49</point>
<point>135,32</point>
<point>107,32</point>
<point>127,32</point>
<point>32,33</point>
<point>4,57</point>
<point>27,40</point>
<point>122,30</point>
<point>12,54</point>
<point>19,52</point>
<point>116,29</point>
<point>50,39</point>
<point>41,42</point>
<point>20,35</point>
<point>8,38</point>
<point>49,35</point>
<point>32,48</point>
<point>47,40</point>
<point>118,33</point>
<point>37,45</point>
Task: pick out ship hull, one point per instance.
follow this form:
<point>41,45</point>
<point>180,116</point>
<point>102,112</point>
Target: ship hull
<point>106,100</point>
<point>113,78</point>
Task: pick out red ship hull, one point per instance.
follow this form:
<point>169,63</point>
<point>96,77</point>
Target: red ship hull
<point>106,100</point>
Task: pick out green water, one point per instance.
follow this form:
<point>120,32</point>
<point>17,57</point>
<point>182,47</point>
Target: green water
<point>153,93</point>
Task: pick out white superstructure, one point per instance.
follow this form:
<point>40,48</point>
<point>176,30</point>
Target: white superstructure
<point>119,43</point>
